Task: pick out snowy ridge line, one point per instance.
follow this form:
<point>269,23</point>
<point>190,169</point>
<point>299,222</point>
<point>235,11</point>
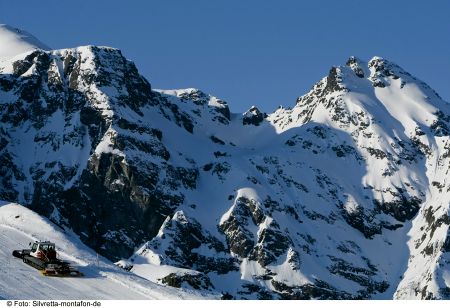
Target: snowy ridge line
<point>105,282</point>
<point>174,187</point>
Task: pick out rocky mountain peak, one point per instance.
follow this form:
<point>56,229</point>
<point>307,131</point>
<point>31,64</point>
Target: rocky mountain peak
<point>200,98</point>
<point>253,116</point>
<point>299,207</point>
<point>358,66</point>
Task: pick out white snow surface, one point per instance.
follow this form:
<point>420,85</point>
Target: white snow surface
<point>390,113</point>
<point>14,41</point>
<point>323,158</point>
<point>102,279</point>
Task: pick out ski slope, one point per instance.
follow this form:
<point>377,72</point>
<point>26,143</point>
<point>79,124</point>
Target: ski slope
<point>102,279</point>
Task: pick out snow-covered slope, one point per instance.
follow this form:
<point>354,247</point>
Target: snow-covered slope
<point>308,198</point>
<point>102,279</point>
<point>344,195</point>
<point>14,41</point>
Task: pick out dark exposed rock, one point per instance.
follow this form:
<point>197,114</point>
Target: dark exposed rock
<point>334,81</point>
<point>6,83</point>
<point>355,65</point>
<point>319,131</point>
<point>239,238</point>
<point>90,116</point>
<point>221,169</point>
<point>376,153</point>
<point>128,188</point>
<point>361,221</point>
<point>402,209</point>
<point>185,235</point>
<point>433,223</point>
<point>112,221</point>
<point>220,154</point>
<point>345,150</point>
<point>217,140</point>
<point>125,265</point>
<point>208,167</point>
<point>200,98</point>
<point>182,119</point>
<point>253,289</point>
<point>226,296</point>
<point>318,290</point>
<point>441,126</point>
<point>136,128</point>
<point>361,275</point>
<point>198,281</point>
<point>114,205</point>
<point>253,117</point>
<point>272,243</point>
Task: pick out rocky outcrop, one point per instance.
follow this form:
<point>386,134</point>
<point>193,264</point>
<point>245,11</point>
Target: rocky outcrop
<point>253,116</point>
<point>297,204</point>
<point>182,242</point>
<point>117,194</point>
<point>197,281</point>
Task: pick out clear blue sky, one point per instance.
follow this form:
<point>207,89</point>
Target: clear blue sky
<point>263,53</point>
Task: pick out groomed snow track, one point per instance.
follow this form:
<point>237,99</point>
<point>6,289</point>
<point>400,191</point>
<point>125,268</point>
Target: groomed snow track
<point>102,280</point>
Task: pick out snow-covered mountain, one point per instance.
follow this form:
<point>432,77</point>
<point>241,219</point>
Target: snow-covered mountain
<point>101,280</point>
<point>344,195</point>
<point>14,41</point>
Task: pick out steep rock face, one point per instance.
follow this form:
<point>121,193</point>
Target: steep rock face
<point>253,116</point>
<point>315,192</point>
<point>297,204</point>
<point>184,243</point>
<point>76,147</point>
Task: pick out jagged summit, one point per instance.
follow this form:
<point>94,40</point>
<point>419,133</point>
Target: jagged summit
<point>360,85</point>
<point>358,66</point>
<point>14,41</point>
<point>344,195</point>
<point>253,116</point>
<point>197,96</point>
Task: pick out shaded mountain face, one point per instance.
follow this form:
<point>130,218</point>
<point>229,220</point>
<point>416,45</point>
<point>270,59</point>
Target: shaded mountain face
<point>345,195</point>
